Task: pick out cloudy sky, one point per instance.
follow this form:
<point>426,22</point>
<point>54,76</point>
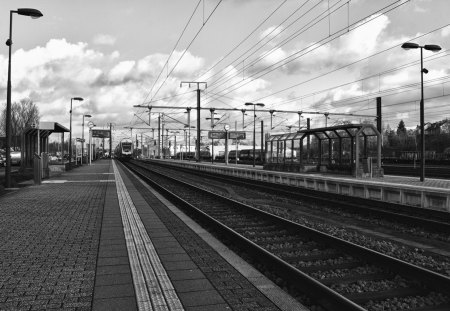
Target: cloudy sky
<point>312,56</point>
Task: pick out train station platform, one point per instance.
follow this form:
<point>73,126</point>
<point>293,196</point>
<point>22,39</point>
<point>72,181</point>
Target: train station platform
<point>431,193</point>
<point>97,238</point>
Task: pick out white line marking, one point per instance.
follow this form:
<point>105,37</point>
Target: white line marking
<point>64,181</point>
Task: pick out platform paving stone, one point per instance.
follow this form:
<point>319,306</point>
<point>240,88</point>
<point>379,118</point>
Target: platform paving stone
<point>49,240</point>
<point>114,289</point>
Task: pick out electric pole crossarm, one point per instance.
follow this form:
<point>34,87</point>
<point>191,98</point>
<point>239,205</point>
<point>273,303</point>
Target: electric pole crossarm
<point>260,110</point>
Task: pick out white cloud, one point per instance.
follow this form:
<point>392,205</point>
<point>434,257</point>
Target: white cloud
<point>121,70</point>
<point>271,32</point>
<point>50,75</point>
<point>445,32</point>
<point>104,39</point>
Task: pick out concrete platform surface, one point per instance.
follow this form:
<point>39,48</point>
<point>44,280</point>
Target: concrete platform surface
<point>97,238</point>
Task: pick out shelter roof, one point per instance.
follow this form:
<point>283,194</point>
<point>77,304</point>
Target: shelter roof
<point>342,131</point>
<point>46,129</point>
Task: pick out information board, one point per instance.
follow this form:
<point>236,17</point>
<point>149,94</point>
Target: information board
<point>100,133</point>
<point>236,135</point>
<point>216,134</point>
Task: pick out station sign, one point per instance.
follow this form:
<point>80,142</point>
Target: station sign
<point>100,133</point>
<point>222,135</point>
<point>217,134</point>
<point>236,135</point>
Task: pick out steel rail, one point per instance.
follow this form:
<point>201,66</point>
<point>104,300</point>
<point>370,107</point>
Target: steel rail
<point>324,295</point>
<point>391,211</point>
<point>316,289</point>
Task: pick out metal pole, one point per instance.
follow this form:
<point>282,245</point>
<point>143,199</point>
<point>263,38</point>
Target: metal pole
<point>262,138</point>
<point>90,147</point>
<point>226,147</point>
<point>8,110</point>
<point>159,136</point>
<point>38,140</point>
<point>422,121</point>
<point>254,132</point>
<point>189,132</point>
<point>70,136</point>
<point>237,143</point>
<point>82,140</point>
<point>198,125</point>
<point>110,140</point>
<point>379,116</point>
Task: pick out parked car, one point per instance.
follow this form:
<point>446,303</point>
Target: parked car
<point>16,157</point>
<point>2,160</point>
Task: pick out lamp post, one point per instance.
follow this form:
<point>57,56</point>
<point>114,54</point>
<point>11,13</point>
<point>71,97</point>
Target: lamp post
<point>82,136</point>
<point>433,48</point>
<point>254,127</point>
<point>33,13</point>
<point>90,125</point>
<point>70,130</point>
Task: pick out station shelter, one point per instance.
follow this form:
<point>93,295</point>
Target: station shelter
<point>351,149</point>
<point>29,149</point>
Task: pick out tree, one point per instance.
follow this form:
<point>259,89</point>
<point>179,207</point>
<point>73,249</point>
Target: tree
<point>445,128</point>
<point>401,129</point>
<point>23,114</point>
<point>2,122</point>
<point>401,133</point>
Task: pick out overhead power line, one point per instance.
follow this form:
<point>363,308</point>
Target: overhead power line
<point>313,46</point>
<point>245,39</point>
<point>173,50</point>
<point>186,49</point>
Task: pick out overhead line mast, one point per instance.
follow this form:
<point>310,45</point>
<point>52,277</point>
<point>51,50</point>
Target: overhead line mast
<point>198,114</point>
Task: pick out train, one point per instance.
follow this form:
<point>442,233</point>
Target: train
<point>205,155</point>
<point>243,156</point>
<point>124,151</point>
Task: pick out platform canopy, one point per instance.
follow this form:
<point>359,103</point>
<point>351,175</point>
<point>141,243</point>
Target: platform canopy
<point>29,140</point>
<point>287,148</point>
<point>46,129</point>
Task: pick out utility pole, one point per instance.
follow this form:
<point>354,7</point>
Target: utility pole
<point>159,136</point>
<point>198,115</point>
<point>110,140</point>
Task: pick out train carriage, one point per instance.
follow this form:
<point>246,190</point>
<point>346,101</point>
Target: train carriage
<point>124,150</point>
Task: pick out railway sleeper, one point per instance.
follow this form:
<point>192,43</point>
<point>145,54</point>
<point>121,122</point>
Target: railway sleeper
<point>343,265</point>
<point>352,278</point>
<point>362,298</point>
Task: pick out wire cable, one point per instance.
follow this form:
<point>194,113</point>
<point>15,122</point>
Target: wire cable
<point>315,46</point>
<point>173,50</point>
<point>187,48</point>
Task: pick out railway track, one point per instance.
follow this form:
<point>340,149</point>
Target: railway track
<point>339,275</point>
<point>431,220</point>
<point>411,170</point>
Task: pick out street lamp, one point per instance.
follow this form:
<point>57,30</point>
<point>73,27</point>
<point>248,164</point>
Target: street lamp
<point>70,130</point>
<point>433,48</point>
<point>82,136</point>
<point>254,127</point>
<point>33,13</point>
<point>90,125</point>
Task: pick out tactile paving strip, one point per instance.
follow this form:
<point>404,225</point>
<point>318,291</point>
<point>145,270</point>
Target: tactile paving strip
<point>154,290</point>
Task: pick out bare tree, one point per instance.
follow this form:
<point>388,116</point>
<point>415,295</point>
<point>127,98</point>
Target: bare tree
<point>2,122</point>
<point>23,114</point>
